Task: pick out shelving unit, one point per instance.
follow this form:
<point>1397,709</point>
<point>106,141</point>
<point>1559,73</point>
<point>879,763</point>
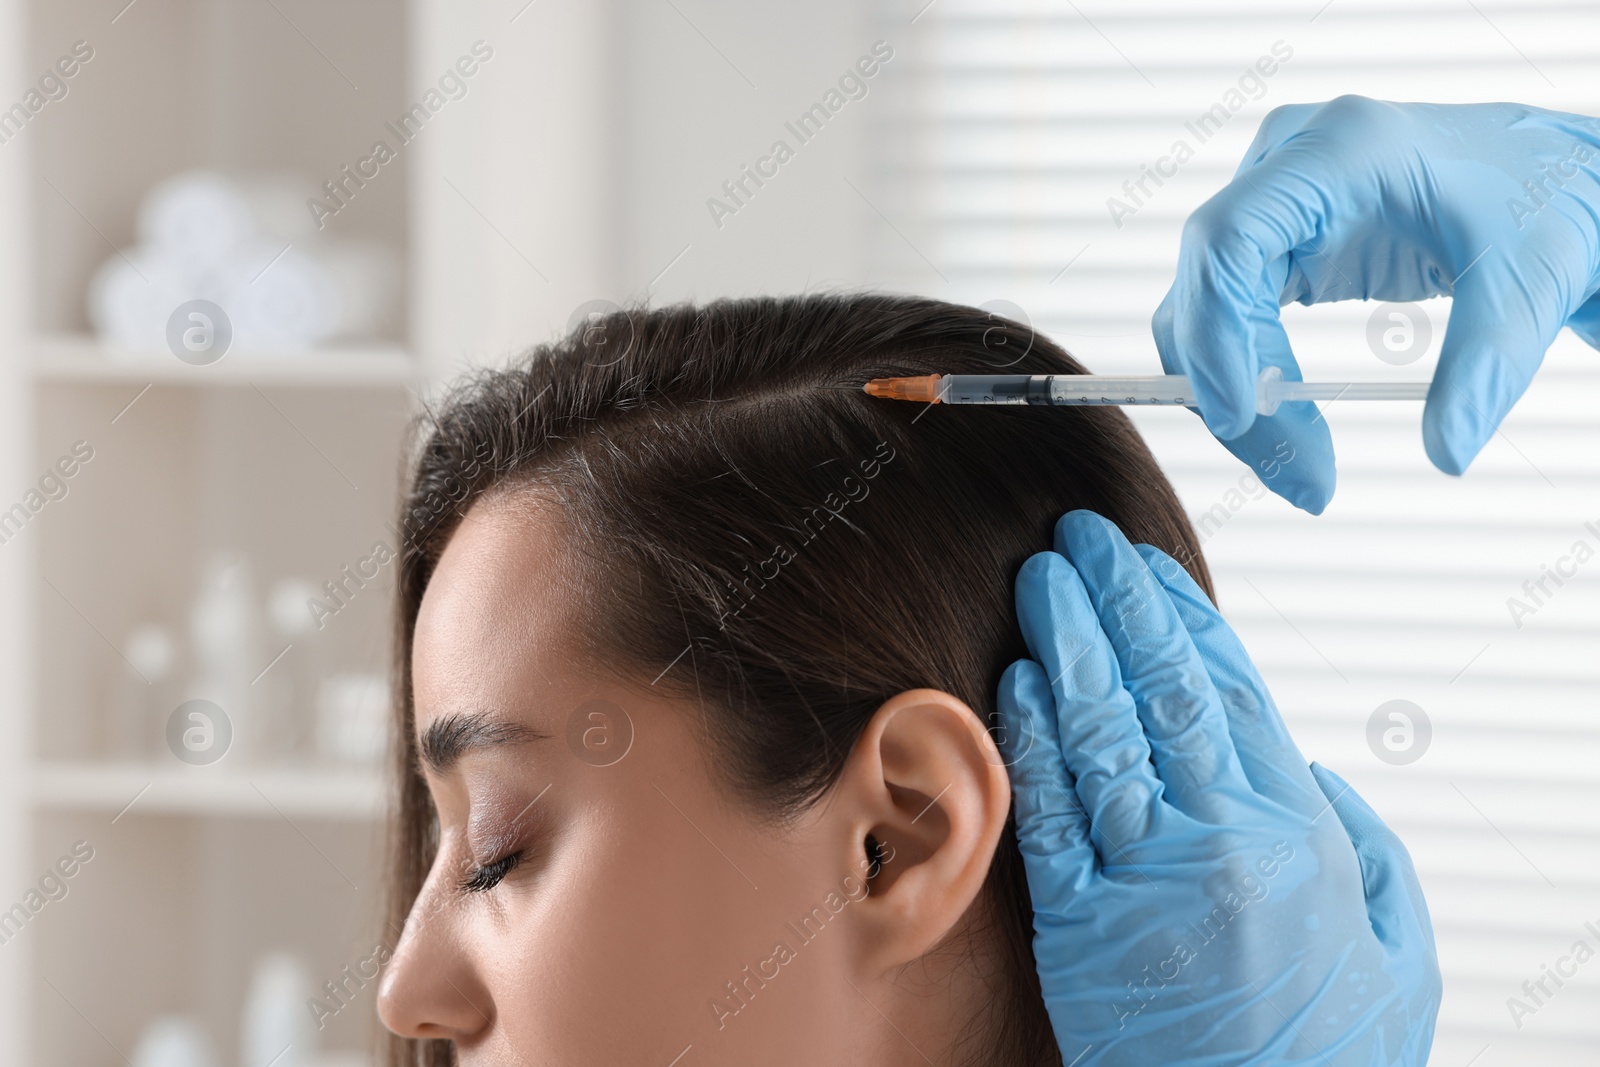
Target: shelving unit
<point>70,358</point>
<point>290,463</point>
<point>287,461</point>
<point>120,790</point>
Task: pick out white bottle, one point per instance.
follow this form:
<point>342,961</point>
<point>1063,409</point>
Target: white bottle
<point>142,694</point>
<point>224,630</point>
<point>173,1041</point>
<point>277,1026</point>
<point>291,686</point>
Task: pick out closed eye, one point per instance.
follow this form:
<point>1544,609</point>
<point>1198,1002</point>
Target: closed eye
<point>484,878</point>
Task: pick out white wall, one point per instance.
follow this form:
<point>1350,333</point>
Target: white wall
<point>529,230</point>
<point>589,149</point>
<point>709,87</point>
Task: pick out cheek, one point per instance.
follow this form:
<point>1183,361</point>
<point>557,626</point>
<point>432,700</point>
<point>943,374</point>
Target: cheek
<point>630,936</point>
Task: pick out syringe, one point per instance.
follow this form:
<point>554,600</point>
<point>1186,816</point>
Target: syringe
<point>1076,389</point>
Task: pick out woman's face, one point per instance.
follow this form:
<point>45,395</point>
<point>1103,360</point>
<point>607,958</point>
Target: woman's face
<point>597,899</point>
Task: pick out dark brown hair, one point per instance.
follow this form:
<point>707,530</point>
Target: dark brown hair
<point>798,551</point>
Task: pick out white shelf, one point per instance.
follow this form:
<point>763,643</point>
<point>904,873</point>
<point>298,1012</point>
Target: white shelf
<point>74,358</point>
<point>267,792</point>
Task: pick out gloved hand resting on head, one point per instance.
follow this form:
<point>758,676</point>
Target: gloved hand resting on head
<point>1495,205</point>
<point>1199,895</point>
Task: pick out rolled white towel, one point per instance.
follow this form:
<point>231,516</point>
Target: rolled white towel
<point>279,298</point>
<point>366,276</point>
<point>302,296</point>
<point>199,217</point>
<point>132,296</point>
<point>274,297</point>
<point>245,243</point>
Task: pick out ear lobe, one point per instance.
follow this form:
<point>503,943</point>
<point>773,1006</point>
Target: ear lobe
<point>927,785</point>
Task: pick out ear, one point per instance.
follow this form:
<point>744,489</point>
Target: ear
<point>927,785</point>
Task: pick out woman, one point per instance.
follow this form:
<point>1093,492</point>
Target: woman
<point>698,649</point>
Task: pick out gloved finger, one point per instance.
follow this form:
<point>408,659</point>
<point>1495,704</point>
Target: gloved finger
<point>1052,825</point>
<point>1277,126</point>
<point>1102,741</point>
<point>1184,723</point>
<point>1223,277</point>
<point>1395,903</point>
<point>1500,327</point>
<point>1272,762</point>
<point>1291,450</point>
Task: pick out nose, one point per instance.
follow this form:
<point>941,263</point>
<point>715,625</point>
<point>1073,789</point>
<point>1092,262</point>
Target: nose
<point>432,987</point>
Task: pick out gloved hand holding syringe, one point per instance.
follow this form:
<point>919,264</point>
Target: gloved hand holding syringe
<point>1072,390</point>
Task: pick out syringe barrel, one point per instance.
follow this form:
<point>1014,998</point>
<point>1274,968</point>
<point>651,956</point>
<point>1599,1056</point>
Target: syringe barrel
<point>1065,389</point>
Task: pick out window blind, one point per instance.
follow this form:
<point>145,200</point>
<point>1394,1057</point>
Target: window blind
<point>1008,166</point>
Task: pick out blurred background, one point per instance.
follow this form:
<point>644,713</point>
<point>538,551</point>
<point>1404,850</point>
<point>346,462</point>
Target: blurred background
<point>242,240</point>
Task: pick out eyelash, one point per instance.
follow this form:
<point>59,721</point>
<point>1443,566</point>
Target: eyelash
<point>484,878</point>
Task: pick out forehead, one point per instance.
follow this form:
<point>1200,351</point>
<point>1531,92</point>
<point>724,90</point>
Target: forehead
<point>492,626</point>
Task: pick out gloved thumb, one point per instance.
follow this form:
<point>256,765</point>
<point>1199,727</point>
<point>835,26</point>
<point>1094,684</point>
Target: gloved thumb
<point>1500,327</point>
<point>1395,904</point>
<point>1291,452</point>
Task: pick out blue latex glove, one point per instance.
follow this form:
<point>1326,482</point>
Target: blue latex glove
<point>1365,199</point>
<point>1199,895</point>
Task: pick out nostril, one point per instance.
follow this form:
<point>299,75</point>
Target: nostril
<point>429,991</point>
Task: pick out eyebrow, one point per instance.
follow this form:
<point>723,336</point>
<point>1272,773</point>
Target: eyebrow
<point>450,737</point>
